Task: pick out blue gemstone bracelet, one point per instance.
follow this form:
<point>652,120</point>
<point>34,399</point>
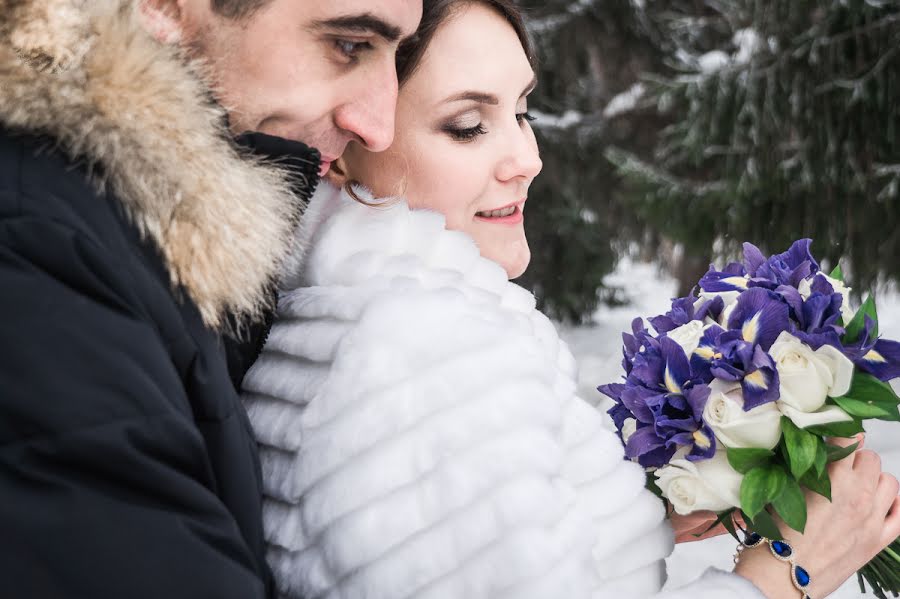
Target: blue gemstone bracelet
<point>781,550</point>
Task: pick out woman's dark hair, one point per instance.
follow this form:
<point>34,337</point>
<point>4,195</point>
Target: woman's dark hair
<point>435,12</point>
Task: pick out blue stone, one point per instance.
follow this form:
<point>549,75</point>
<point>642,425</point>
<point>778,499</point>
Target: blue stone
<point>752,539</point>
<point>802,576</point>
<point>782,548</point>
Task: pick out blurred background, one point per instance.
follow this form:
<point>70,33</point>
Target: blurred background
<point>672,131</point>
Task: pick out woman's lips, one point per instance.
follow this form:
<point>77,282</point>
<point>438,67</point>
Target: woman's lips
<point>508,215</point>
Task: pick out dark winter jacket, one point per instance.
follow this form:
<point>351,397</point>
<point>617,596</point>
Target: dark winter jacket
<point>132,230</point>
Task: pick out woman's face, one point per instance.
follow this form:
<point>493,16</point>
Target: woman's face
<point>463,145</point>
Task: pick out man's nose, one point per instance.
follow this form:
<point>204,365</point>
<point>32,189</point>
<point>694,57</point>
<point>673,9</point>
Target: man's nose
<point>369,116</point>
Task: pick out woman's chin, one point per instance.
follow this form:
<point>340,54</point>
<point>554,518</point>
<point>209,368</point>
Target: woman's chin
<point>515,265</point>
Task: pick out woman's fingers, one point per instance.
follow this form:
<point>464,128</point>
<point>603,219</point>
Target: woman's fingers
<point>885,494</point>
<point>891,527</point>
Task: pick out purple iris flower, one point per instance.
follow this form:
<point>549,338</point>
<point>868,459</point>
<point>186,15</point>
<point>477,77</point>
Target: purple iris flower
<point>683,311</point>
<point>878,357</point>
<point>739,354</point>
<point>667,401</point>
<point>788,268</point>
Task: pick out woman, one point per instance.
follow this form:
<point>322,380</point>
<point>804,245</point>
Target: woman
<point>420,432</point>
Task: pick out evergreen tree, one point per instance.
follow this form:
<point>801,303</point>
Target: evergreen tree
<point>785,124</point>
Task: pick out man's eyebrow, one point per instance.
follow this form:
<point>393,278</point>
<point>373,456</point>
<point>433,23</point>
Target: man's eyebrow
<point>363,23</point>
<point>486,98</point>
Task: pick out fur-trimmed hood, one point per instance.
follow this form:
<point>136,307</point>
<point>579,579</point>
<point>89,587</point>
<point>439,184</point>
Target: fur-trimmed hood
<point>86,74</point>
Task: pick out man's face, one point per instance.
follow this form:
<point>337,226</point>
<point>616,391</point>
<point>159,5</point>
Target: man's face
<point>320,72</point>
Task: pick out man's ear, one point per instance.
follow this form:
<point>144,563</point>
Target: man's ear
<point>162,19</point>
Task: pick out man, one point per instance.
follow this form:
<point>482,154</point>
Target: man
<point>133,230</point>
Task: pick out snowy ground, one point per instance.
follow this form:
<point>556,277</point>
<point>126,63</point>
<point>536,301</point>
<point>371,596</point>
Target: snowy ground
<point>598,350</point>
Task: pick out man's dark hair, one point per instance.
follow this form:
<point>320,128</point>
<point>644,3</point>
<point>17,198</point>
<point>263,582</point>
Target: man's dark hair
<point>237,9</point>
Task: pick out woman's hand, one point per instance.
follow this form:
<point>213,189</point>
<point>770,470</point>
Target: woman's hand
<point>696,526</point>
<point>841,536</point>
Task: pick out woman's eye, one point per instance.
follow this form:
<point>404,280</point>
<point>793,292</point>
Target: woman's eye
<point>350,49</point>
<point>467,134</point>
<point>525,117</point>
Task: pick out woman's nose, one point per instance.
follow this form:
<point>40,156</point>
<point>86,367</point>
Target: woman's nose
<point>522,160</point>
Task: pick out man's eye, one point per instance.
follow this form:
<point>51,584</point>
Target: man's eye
<point>351,49</point>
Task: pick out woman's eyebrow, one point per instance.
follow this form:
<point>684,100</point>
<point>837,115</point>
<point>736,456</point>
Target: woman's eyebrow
<point>487,98</point>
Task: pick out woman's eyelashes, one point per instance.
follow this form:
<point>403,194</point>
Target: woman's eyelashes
<point>465,133</point>
<point>462,133</point>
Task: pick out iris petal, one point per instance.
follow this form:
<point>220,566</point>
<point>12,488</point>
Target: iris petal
<point>882,361</point>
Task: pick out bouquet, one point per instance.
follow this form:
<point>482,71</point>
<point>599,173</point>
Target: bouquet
<point>728,401</point>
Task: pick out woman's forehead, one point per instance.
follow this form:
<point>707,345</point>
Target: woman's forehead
<point>474,50</point>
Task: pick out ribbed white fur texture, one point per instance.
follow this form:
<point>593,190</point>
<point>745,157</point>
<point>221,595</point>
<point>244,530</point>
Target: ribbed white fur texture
<point>421,434</point>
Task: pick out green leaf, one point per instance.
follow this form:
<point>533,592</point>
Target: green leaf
<point>760,486</point>
<point>866,387</point>
<point>763,524</point>
<point>836,453</point>
<point>837,273</point>
<point>866,409</point>
<point>653,487</point>
<point>723,517</point>
<point>801,447</point>
<point>728,523</point>
<point>821,460</point>
<point>745,459</point>
<point>791,505</point>
<point>837,429</point>
<point>820,484</point>
<point>858,324</point>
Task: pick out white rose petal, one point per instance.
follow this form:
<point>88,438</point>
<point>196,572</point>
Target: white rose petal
<point>703,485</point>
<point>725,415</point>
<point>805,289</point>
<point>808,377</point>
<point>826,415</point>
<point>688,336</point>
<point>629,426</point>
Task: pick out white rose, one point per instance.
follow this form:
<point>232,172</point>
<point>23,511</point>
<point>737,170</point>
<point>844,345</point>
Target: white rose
<point>629,426</point>
<point>688,336</point>
<point>729,297</point>
<point>807,378</point>
<point>725,415</point>
<point>847,313</point>
<point>703,485</point>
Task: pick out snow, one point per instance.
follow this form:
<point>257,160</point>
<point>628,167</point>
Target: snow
<point>597,347</point>
<point>624,102</point>
<point>546,120</point>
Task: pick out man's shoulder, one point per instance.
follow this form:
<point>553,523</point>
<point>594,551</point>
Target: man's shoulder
<point>39,182</point>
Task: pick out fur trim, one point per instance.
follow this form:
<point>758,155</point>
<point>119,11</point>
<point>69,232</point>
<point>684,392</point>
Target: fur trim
<point>88,75</point>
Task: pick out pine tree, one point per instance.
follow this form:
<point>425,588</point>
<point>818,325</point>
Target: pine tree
<point>785,124</point>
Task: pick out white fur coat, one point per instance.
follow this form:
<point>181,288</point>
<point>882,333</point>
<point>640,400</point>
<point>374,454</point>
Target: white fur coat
<point>421,434</point>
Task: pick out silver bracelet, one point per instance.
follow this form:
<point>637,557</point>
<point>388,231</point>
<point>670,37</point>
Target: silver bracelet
<point>782,551</point>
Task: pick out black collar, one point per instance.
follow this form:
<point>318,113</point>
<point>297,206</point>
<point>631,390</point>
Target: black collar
<point>298,159</point>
